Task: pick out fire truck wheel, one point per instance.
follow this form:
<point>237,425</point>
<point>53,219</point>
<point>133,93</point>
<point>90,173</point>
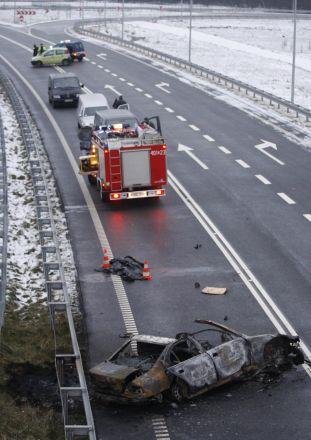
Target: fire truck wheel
<point>92,179</point>
<point>104,196</point>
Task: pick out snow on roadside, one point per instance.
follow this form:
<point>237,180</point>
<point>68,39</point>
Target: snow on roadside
<point>25,277</point>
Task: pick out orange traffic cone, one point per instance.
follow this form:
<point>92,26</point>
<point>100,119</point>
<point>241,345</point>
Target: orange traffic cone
<point>106,263</point>
<point>146,273</point>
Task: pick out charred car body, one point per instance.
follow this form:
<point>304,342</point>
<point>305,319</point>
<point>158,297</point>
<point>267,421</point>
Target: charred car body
<point>148,367</point>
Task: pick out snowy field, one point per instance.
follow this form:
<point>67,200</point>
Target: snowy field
<point>256,51</point>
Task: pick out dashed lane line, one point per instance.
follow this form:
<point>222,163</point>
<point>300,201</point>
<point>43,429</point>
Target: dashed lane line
<point>307,216</point>
<point>93,62</point>
<point>113,74</point>
<point>86,59</point>
<point>208,138</point>
<point>130,84</point>
<point>107,70</point>
<point>148,95</point>
<point>169,109</point>
<point>122,79</point>
<point>242,163</point>
<point>181,118</point>
<point>263,179</point>
<point>158,102</point>
<point>286,198</point>
<point>138,89</point>
<point>263,298</point>
<point>160,428</point>
<point>224,149</point>
<point>194,127</point>
<point>100,66</point>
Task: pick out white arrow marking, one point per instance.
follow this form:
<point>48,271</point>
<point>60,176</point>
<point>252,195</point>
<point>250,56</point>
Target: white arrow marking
<point>107,86</point>
<point>103,56</point>
<point>267,144</point>
<point>189,150</point>
<point>162,86</point>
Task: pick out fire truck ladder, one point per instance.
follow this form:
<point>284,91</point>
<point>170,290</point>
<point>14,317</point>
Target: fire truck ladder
<point>115,170</point>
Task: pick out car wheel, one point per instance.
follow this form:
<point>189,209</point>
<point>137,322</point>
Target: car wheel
<point>66,62</point>
<point>54,104</point>
<point>178,391</point>
<point>80,59</point>
<point>39,64</point>
<point>91,179</point>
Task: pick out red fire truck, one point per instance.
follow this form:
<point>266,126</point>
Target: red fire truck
<point>126,160</point>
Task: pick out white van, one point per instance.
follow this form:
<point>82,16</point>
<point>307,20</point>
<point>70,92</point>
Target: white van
<point>88,106</point>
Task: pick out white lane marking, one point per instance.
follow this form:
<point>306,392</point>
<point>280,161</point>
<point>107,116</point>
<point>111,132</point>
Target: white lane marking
<point>286,198</point>
<point>103,56</point>
<point>138,89</point>
<point>102,237</point>
<point>224,149</point>
<point>160,428</point>
<point>86,59</point>
<point>130,84</point>
<point>242,163</point>
<point>194,127</point>
<point>122,79</point>
<point>107,70</point>
<point>107,86</point>
<point>267,144</point>
<point>100,66</point>
<point>113,74</point>
<point>158,102</point>
<point>265,301</point>
<point>93,62</point>
<point>307,216</point>
<point>162,86</point>
<point>148,96</point>
<point>181,118</point>
<point>188,150</point>
<point>168,109</point>
<point>263,179</point>
<point>208,138</point>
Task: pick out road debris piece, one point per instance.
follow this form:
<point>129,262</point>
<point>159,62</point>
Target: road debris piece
<point>214,290</point>
<point>197,246</point>
<point>197,285</point>
<point>128,268</point>
<point>148,368</point>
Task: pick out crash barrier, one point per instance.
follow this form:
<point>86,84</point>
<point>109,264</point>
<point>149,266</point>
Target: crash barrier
<point>218,78</point>
<point>69,368</point>
<point>3,222</point>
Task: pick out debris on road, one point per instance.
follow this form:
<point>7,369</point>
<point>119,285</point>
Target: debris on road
<point>197,246</point>
<point>128,268</point>
<point>148,368</point>
<point>197,285</point>
<point>214,290</point>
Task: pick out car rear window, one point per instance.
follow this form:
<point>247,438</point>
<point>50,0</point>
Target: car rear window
<point>66,82</point>
<point>90,111</point>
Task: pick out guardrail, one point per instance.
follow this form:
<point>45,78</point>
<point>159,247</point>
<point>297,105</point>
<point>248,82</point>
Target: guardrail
<point>220,79</point>
<point>77,414</point>
<point>3,222</point>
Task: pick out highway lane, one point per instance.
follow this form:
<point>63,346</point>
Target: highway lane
<point>170,220</point>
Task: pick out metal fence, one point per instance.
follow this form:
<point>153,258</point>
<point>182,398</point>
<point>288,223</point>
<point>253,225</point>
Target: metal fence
<point>3,222</point>
<point>203,72</point>
<point>77,414</point>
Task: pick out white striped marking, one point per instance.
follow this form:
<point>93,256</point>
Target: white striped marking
<point>208,138</point>
<point>100,66</point>
<point>93,62</point>
<point>148,96</point>
<point>122,79</point>
<point>138,89</point>
<point>160,428</point>
<point>181,118</point>
<point>307,216</point>
<point>194,127</point>
<point>114,74</point>
<point>168,109</point>
<point>263,179</point>
<point>224,149</point>
<point>158,102</point>
<point>86,59</point>
<point>107,70</point>
<point>286,198</point>
<point>242,163</point>
<point>130,84</point>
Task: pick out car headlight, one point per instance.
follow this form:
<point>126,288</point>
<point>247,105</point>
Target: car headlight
<point>56,96</point>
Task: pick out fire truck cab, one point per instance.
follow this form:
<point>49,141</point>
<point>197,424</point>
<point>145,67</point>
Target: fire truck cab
<point>126,159</point>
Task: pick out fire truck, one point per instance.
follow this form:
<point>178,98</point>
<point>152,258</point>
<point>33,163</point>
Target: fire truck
<point>126,159</point>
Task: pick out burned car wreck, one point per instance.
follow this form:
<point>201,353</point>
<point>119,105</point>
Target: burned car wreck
<point>150,367</point>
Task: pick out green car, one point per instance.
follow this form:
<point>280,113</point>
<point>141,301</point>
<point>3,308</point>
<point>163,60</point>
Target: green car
<point>57,55</point>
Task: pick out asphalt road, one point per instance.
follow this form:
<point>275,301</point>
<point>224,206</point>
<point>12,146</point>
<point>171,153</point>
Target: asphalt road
<point>261,207</point>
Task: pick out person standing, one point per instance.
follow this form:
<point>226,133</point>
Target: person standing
<point>35,50</point>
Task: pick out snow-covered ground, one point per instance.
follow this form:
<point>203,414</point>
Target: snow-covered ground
<point>258,52</point>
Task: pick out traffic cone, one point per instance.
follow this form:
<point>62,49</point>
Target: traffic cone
<point>146,272</point>
<point>106,263</point>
